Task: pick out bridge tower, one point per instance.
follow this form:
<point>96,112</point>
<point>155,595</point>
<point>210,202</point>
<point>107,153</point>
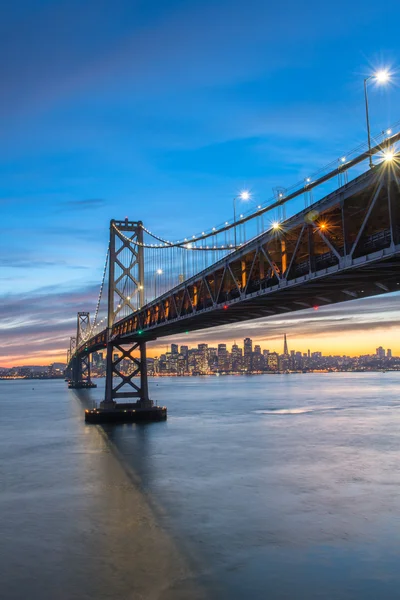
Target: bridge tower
<point>125,290</point>
<point>79,375</point>
<point>70,354</point>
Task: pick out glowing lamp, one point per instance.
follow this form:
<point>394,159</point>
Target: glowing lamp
<point>382,76</point>
<point>388,155</point>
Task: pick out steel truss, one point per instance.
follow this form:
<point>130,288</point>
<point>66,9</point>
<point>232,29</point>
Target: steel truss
<point>337,249</point>
<point>79,370</point>
<point>343,247</point>
<point>126,266</point>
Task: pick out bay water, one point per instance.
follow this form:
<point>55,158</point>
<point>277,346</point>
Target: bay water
<point>269,486</point>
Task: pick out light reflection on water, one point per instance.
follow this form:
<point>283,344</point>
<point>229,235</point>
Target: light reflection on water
<point>259,486</point>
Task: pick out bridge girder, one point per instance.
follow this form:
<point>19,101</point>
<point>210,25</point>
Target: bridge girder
<point>343,247</point>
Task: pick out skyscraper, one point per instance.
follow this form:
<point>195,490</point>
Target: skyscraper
<point>258,359</point>
<point>184,351</point>
<point>236,358</point>
<point>248,354</point>
<point>273,361</point>
<point>285,346</point>
<point>223,358</point>
<point>203,358</point>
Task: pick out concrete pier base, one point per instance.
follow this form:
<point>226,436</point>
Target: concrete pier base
<point>81,385</point>
<point>135,412</point>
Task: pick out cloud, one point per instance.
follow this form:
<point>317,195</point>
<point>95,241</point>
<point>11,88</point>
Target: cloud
<point>40,324</point>
<point>26,263</point>
<point>78,205</point>
<point>366,315</point>
<point>42,321</point>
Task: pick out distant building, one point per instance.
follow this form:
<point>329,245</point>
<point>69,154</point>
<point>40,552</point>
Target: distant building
<point>203,358</point>
<point>248,354</point>
<point>273,361</point>
<point>380,352</point>
<point>285,346</point>
<point>223,359</point>
<point>184,350</point>
<point>236,358</point>
<point>258,360</point>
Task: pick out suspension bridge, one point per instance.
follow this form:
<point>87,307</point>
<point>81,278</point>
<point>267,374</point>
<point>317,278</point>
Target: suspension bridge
<point>333,237</point>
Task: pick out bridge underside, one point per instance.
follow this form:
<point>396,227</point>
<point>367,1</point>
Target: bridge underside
<point>382,276</point>
<point>344,247</point>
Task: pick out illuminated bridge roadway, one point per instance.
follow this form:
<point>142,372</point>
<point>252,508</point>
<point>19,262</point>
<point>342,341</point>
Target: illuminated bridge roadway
<point>343,247</point>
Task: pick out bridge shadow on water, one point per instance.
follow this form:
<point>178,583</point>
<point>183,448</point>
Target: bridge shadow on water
<point>132,447</point>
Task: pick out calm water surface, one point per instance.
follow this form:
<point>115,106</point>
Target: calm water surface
<point>278,487</point>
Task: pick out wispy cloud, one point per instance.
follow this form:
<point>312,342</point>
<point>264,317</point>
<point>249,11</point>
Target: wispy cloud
<point>26,263</point>
<point>40,324</point>
<point>357,316</point>
<point>80,205</point>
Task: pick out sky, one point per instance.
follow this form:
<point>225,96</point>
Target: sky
<point>161,111</point>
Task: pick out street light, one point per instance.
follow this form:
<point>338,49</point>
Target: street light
<point>380,77</point>
<point>388,155</point>
<point>245,195</point>
<point>158,272</point>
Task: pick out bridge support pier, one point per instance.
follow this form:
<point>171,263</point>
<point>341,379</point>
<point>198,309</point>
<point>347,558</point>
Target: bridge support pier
<point>80,373</point>
<point>127,391</point>
<point>127,394</point>
<point>121,385</point>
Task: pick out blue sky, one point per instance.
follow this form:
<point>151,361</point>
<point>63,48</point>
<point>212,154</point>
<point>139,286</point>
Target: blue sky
<point>161,111</point>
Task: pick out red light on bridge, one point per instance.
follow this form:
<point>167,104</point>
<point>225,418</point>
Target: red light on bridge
<point>226,307</point>
<point>315,307</point>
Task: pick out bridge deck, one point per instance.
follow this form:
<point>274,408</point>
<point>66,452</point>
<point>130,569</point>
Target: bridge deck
<point>343,247</point>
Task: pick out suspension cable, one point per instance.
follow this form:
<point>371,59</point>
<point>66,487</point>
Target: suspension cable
<point>91,329</point>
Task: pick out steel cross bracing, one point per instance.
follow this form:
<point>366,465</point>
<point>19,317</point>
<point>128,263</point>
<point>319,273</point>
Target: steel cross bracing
<point>126,275</point>
<point>343,247</point>
<point>70,355</point>
<point>126,281</point>
<point>78,369</point>
<point>82,327</point>
<point>81,371</point>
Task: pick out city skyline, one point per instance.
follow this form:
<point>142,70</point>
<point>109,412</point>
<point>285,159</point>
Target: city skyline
<point>285,342</point>
<point>113,128</point>
<point>244,358</point>
<point>315,327</point>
